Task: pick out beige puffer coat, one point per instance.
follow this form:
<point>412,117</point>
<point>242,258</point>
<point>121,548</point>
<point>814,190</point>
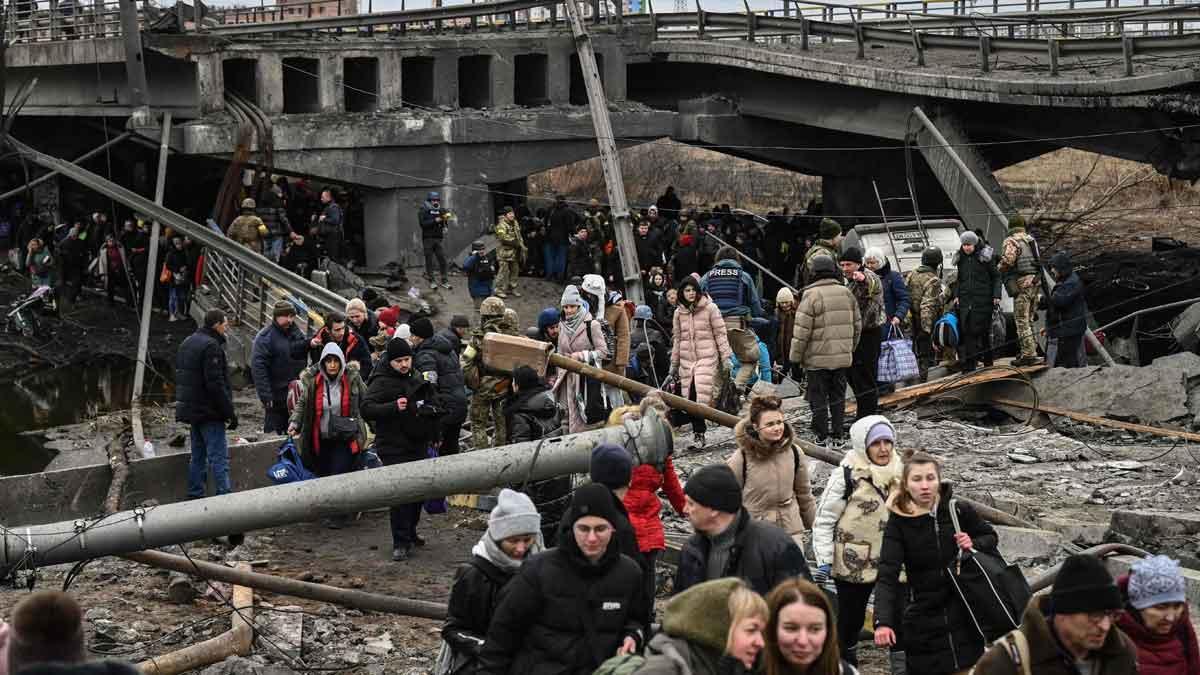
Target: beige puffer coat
<point>775,483</point>
<point>828,325</point>
<point>699,347</point>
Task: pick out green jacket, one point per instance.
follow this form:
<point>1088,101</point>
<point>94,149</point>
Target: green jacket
<point>304,414</point>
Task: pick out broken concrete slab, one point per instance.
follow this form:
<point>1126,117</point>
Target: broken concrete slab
<point>281,630</point>
<point>1149,525</point>
<point>1076,531</point>
<point>1153,394</point>
<point>1020,543</point>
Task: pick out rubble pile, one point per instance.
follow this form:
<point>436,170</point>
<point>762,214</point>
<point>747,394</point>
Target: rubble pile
<point>1165,392</point>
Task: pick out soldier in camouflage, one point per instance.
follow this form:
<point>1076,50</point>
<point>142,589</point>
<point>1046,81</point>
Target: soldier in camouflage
<point>490,389</point>
<point>828,245</point>
<point>511,253</point>
<point>1019,269</point>
<point>925,291</point>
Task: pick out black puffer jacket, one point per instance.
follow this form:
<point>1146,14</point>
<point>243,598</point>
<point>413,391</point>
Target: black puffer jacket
<point>273,216</point>
<point>455,341</point>
<point>436,355</point>
<point>938,636</point>
<point>561,615</point>
<point>276,359</point>
<point>202,391</point>
<point>473,601</point>
<point>763,555</point>
<point>531,414</point>
<point>405,434</point>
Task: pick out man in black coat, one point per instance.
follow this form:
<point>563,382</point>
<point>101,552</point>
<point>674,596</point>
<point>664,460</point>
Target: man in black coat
<point>336,329</point>
<point>727,543</point>
<point>571,608</point>
<point>976,294</point>
<point>400,403</point>
<point>435,360</point>
<point>276,358</point>
<point>204,400</point>
<point>562,222</point>
<point>1066,317</point>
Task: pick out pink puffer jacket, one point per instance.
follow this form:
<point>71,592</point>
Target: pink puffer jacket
<point>700,347</point>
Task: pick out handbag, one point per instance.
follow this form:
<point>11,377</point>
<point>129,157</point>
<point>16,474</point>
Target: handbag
<point>342,428</point>
<point>728,398</point>
<point>165,275</point>
<point>993,591</point>
<point>897,362</point>
<point>289,468</point>
<point>999,329</point>
<point>595,403</point>
<point>438,505</point>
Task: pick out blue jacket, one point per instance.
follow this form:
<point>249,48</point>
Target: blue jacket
<point>202,391</point>
<point>896,301</point>
<point>764,366</point>
<point>721,285</point>
<point>276,359</point>
<point>477,286</point>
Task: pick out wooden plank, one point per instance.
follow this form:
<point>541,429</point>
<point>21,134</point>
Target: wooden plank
<point>941,385</point>
<point>1100,421</point>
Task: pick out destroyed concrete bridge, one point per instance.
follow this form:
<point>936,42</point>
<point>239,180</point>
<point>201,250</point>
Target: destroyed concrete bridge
<point>470,100</point>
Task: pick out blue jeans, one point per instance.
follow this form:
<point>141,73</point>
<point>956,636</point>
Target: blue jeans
<point>209,451</point>
<point>556,260</point>
<point>177,300</point>
<point>273,249</point>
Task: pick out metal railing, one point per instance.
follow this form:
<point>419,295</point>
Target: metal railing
<point>249,297</point>
<point>57,20</point>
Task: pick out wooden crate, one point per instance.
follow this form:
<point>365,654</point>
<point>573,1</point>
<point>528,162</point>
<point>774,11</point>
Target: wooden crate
<point>504,352</point>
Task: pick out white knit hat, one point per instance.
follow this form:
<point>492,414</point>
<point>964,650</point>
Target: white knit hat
<point>513,515</point>
<point>403,332</point>
<point>1154,581</point>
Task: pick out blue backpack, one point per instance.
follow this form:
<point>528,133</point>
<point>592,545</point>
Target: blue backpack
<point>945,331</point>
<point>289,468</point>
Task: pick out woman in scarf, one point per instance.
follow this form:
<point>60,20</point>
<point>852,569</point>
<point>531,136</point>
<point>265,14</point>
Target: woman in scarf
<point>1156,618</point>
<point>580,338</point>
<point>327,422</point>
<point>848,532</point>
<point>513,535</point>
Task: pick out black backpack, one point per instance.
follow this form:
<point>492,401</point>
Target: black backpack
<point>485,267</point>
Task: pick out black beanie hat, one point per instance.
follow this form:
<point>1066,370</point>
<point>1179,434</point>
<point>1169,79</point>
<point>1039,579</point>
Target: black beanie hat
<point>525,377</point>
<point>460,321</point>
<point>853,254</point>
<point>1084,585</point>
<point>611,466</point>
<point>716,487</point>
<point>398,348</point>
<point>592,499</point>
<point>422,328</point>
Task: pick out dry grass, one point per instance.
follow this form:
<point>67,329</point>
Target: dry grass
<point>1088,200</point>
<point>1076,199</point>
<point>700,177</point>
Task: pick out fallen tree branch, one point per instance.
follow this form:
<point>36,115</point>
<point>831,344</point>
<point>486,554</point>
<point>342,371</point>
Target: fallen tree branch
<point>237,640</point>
<point>1100,421</point>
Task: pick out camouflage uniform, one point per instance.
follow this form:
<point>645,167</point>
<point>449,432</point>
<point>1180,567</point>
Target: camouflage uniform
<point>487,403</point>
<point>510,253</point>
<point>1019,268</point>
<point>820,247</point>
<point>247,230</point>
<point>925,292</point>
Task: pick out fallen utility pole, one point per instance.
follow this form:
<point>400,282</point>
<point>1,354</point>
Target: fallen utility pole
<point>754,262</point>
<point>528,351</point>
<point>649,440</point>
<point>239,639</point>
<point>610,161</point>
<point>78,160</point>
<point>372,602</point>
<point>1100,421</point>
<point>139,369</point>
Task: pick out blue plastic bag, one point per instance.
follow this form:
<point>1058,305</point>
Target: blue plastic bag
<point>289,468</point>
<point>435,506</point>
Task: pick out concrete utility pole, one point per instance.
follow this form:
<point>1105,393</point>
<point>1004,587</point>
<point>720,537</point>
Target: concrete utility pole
<point>139,369</point>
<point>609,160</point>
<point>135,65</point>
<point>648,441</point>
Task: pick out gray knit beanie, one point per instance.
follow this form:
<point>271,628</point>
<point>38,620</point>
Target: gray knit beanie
<point>513,515</point>
<point>1154,581</point>
<point>570,296</point>
<point>969,238</point>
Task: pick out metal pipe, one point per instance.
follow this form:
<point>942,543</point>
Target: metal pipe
<point>372,602</point>
<point>239,639</point>
<point>82,158</point>
<point>1101,551</point>
<point>648,439</point>
<point>1169,305</point>
<point>752,261</point>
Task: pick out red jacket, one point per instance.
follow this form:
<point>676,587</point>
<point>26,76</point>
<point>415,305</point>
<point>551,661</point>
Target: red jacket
<point>643,506</point>
<point>1174,654</point>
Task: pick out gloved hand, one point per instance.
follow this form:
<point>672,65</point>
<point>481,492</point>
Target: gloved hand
<point>233,423</point>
